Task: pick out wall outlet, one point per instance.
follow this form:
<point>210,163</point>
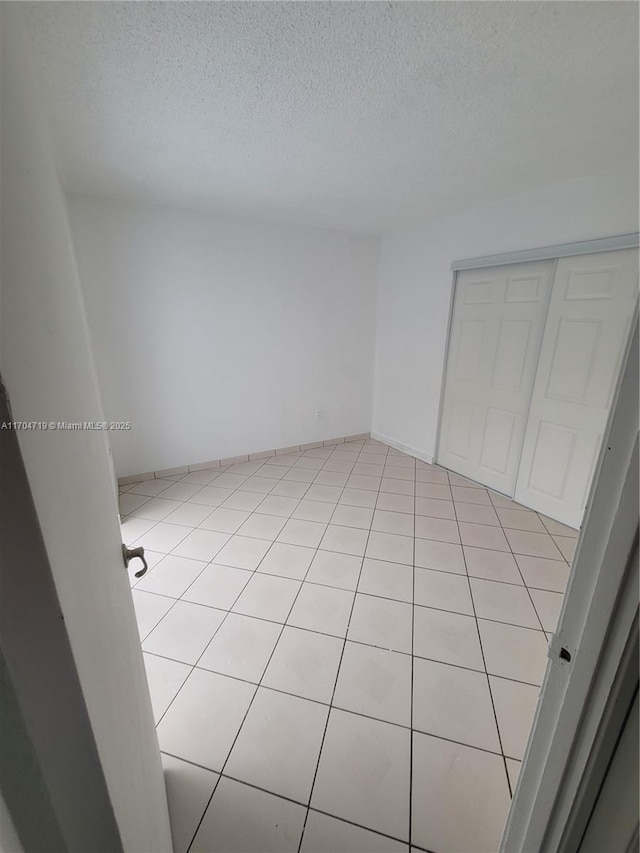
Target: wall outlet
<point>318,414</point>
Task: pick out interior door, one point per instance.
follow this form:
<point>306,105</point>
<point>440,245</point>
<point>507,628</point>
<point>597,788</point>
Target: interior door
<point>498,318</point>
<point>47,367</point>
<point>588,323</point>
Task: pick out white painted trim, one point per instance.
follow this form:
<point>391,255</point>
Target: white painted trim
<point>544,253</point>
<point>405,448</point>
<point>445,364</point>
<point>594,623</point>
<point>245,457</point>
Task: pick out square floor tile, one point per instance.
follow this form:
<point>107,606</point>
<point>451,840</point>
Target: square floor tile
<point>225,520</point>
<point>243,552</point>
<point>533,544</point>
<point>329,494</point>
<point>332,569</point>
<point>441,556</point>
<point>432,475</point>
<point>289,561</point>
<point>211,495</point>
<point>352,516</point>
<point>241,819</point>
<point>443,590</point>
<point>398,487</point>
<point>515,705</point>
<point>361,481</point>
<point>258,485</point>
<point>434,508</point>
<point>375,682</point>
<point>322,608</point>
<point>163,537</point>
<point>453,703</point>
<point>324,834</point>
<point>447,637</point>
<point>547,606</point>
<point>381,622</point>
<point>555,528</point>
<point>539,573</point>
<point>436,491</point>
<point>241,647</point>
<point>172,576</point>
<point>165,678</point>
<point>151,488</point>
<point>513,770</point>
<point>397,472</point>
<point>457,480</point>
<point>156,509</point>
<point>492,565</point>
<point>472,496</point>
<point>311,462</point>
<point>259,526</point>
<point>305,663</point>
<point>388,580</point>
<point>278,505</point>
<point>368,469</point>
<point>297,532</point>
<point>314,510</point>
<point>483,536</point>
<point>278,746</point>
<point>189,789</point>
<point>439,529</point>
<point>201,478</point>
<point>358,497</point>
<point>185,632</point>
<point>201,545</point>
<point>344,540</point>
<point>267,597</point>
<point>300,475</point>
<point>567,546</point>
<point>477,514</point>
<point>230,481</point>
<point>288,489</point>
<point>189,515</point>
<point>133,528</point>
<point>331,478</point>
<point>446,773</point>
<point>520,519</point>
<point>218,586</point>
<point>363,775</point>
<point>513,652</point>
<point>247,501</point>
<point>150,609</point>
<point>504,602</point>
<point>393,522</point>
<point>130,502</point>
<point>395,503</point>
<point>204,718</point>
<point>390,547</point>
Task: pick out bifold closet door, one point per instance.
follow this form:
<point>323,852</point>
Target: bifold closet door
<point>497,324</point>
<point>590,313</point>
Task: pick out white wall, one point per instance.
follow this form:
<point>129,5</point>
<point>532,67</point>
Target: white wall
<point>217,337</point>
<point>47,367</point>
<point>415,280</point>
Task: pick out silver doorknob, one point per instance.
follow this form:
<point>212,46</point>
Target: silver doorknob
<point>129,553</point>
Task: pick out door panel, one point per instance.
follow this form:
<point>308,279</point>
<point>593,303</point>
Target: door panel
<point>587,327</point>
<point>498,318</point>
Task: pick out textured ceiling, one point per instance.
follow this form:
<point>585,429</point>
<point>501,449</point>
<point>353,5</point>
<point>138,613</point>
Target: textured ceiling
<point>356,115</point>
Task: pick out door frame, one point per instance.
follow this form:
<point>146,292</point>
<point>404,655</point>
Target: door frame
<point>596,619</point>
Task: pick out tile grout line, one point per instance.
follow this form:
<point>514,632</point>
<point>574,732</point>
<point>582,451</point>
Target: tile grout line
<point>257,687</point>
<point>335,684</point>
<point>484,660</point>
<point>284,624</point>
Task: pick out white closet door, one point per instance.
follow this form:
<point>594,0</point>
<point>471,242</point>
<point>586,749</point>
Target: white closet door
<point>587,328</point>
<point>498,318</point>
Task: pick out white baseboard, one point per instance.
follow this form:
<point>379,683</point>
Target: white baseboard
<point>405,448</point>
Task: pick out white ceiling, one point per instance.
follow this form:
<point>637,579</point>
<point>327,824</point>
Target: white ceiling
<point>354,115</point>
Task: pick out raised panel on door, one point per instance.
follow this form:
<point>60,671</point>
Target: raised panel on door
<point>496,328</point>
<point>588,323</point>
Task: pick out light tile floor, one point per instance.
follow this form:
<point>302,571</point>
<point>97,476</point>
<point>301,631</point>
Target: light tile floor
<point>344,649</point>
